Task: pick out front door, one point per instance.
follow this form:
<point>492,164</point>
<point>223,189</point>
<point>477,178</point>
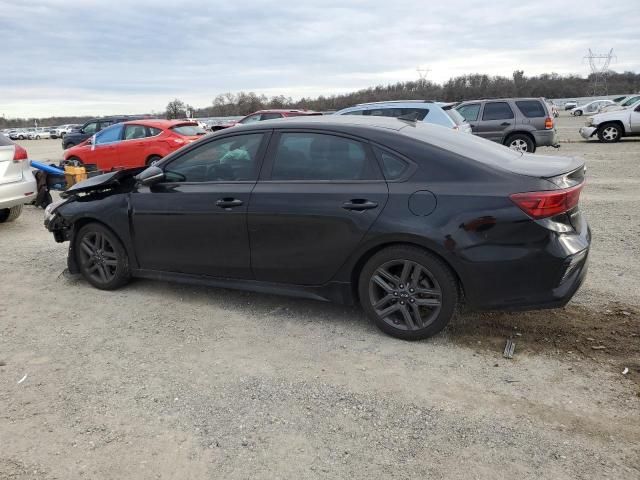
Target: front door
<point>105,152</point>
<point>497,120</point>
<point>317,197</point>
<point>195,221</point>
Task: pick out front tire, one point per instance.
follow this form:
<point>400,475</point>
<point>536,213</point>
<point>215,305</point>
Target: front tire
<point>610,133</point>
<point>102,259</point>
<point>577,113</point>
<point>520,143</point>
<point>152,159</point>
<point>10,214</point>
<point>408,292</point>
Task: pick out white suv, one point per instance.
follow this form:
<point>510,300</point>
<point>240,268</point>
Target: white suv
<point>17,183</point>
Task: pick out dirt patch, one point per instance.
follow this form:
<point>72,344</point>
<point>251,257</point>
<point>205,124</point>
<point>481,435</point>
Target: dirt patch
<point>611,335</point>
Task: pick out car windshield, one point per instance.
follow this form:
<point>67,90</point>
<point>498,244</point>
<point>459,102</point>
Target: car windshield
<point>188,129</point>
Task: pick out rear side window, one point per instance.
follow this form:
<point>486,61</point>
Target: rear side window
<point>152,131</point>
<point>392,166</point>
<point>131,132</point>
<point>188,130</point>
<point>531,108</point>
<point>316,156</point>
<point>470,112</point>
<point>497,111</point>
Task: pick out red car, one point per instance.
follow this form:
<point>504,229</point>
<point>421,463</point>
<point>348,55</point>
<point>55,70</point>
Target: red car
<point>267,115</point>
<point>134,143</point>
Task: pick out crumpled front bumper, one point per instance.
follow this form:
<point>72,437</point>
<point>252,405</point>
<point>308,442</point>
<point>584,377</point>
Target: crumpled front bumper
<point>587,132</point>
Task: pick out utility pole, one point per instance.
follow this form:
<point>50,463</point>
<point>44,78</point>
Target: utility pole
<point>599,64</point>
<point>423,73</point>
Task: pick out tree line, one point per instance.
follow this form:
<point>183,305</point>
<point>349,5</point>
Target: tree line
<point>465,87</point>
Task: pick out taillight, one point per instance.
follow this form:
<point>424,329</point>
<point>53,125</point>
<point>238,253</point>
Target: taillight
<point>548,123</point>
<point>20,154</point>
<point>547,203</point>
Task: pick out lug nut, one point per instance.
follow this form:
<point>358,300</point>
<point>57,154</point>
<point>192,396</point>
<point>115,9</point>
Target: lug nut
<point>411,290</point>
<point>401,286</point>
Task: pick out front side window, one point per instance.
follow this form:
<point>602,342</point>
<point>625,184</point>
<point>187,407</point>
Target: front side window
<point>631,101</point>
<point>230,159</point>
<point>109,135</point>
<point>317,156</point>
<point>90,128</point>
<point>497,111</point>
<point>531,108</point>
<point>470,112</point>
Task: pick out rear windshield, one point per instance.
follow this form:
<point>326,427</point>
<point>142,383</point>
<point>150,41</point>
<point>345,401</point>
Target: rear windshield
<point>531,108</point>
<point>188,130</point>
<point>4,141</point>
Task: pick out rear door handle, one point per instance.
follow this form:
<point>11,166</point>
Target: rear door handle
<point>505,124</point>
<point>228,202</point>
<point>359,204</point>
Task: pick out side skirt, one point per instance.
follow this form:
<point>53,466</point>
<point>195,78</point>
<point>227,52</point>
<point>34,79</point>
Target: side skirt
<point>336,292</point>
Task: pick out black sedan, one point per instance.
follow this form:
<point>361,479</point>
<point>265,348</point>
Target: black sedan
<point>408,219</point>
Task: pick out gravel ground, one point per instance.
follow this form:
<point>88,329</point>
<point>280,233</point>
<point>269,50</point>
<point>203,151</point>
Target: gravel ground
<point>170,381</point>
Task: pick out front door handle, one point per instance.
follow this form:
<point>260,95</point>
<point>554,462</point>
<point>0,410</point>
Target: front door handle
<point>359,204</point>
<point>505,124</point>
<point>228,202</point>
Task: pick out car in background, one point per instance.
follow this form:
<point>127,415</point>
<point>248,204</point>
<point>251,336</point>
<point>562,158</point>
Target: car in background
<point>17,183</point>
<point>624,103</point>
<point>522,124</point>
<point>90,128</point>
<point>612,126</point>
<point>459,120</point>
<point>571,104</point>
<point>39,133</point>
<point>591,107</point>
<point>133,143</point>
<point>406,218</point>
<point>21,134</point>
<point>271,114</point>
<point>62,130</point>
<point>415,110</point>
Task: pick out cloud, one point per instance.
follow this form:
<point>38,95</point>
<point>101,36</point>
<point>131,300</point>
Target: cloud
<point>130,57</point>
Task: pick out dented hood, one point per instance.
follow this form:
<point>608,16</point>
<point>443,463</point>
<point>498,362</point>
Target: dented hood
<point>102,182</point>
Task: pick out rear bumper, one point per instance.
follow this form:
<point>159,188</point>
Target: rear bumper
<point>18,193</point>
<point>588,132</point>
<point>545,138</point>
<point>546,275</point>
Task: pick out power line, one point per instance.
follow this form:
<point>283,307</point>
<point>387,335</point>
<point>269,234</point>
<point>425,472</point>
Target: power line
<point>599,64</point>
<point>423,73</point>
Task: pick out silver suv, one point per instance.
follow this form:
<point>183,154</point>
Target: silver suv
<point>520,123</point>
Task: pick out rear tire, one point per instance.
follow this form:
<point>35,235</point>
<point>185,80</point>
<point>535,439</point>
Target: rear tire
<point>10,214</point>
<point>520,142</point>
<point>152,159</point>
<point>610,133</point>
<point>408,292</point>
<point>101,258</point>
<point>578,113</point>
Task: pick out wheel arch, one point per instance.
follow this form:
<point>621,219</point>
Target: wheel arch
<point>519,132</point>
<point>618,123</point>
<point>78,223</point>
<point>366,254</point>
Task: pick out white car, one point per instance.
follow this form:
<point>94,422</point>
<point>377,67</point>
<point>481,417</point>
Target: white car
<point>17,183</point>
<point>625,102</point>
<point>39,133</point>
<point>591,107</point>
<point>62,130</point>
<point>612,126</point>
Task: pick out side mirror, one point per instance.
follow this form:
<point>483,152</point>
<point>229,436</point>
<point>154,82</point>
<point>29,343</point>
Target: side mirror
<point>150,176</point>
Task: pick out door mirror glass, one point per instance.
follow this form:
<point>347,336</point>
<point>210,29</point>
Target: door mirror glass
<point>150,176</point>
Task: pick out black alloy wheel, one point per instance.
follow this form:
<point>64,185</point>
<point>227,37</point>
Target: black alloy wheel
<point>411,295</point>
<point>101,258</point>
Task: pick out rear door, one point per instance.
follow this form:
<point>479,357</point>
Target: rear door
<point>533,113</point>
<point>497,120</point>
<point>317,196</point>
<point>134,145</point>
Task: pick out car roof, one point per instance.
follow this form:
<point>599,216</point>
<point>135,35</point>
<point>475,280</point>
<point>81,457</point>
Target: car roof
<point>327,122</point>
<point>160,123</point>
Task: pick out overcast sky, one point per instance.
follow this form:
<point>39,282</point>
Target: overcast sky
<point>133,56</point>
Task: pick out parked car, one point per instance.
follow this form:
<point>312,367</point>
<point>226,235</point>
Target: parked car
<point>612,126</point>
<point>39,133</point>
<point>570,105</point>
<point>134,143</point>
<point>76,137</point>
<point>624,103</point>
<point>20,134</point>
<point>591,107</point>
<point>270,114</point>
<point>402,217</point>
<point>17,183</point>
<point>520,123</point>
<point>418,110</point>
